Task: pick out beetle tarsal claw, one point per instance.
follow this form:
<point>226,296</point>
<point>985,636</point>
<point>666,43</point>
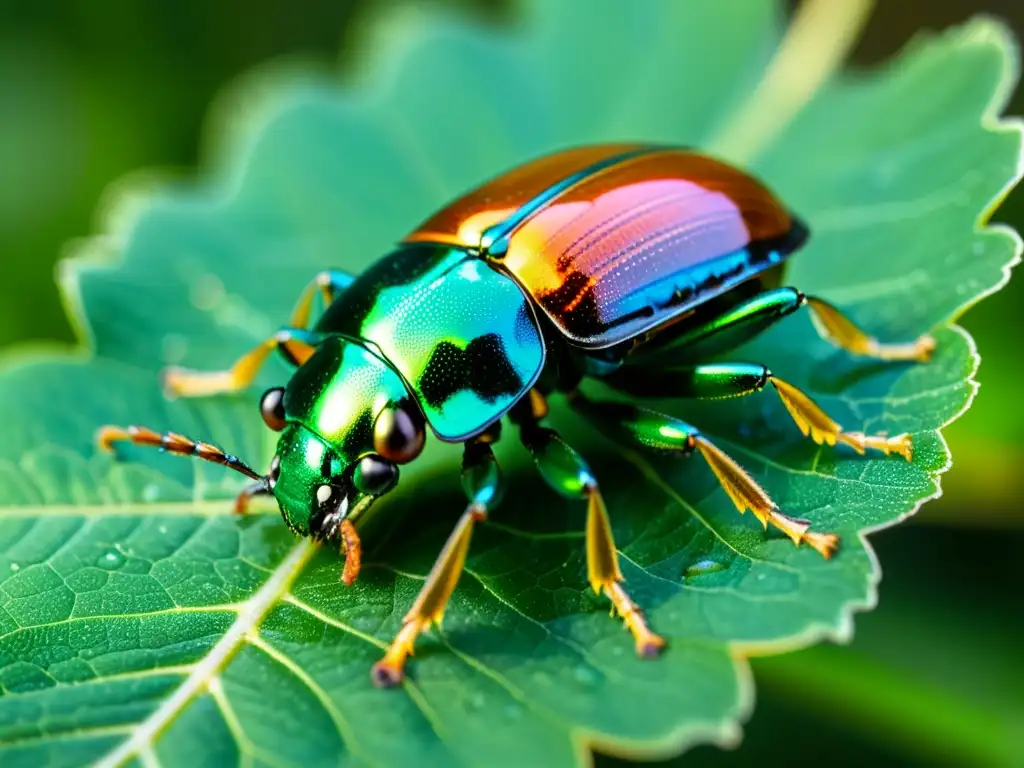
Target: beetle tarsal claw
<point>648,644</point>
<point>747,494</point>
<point>390,671</point>
<point>822,429</point>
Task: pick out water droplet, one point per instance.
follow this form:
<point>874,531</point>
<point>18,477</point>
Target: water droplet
<point>702,567</point>
<point>15,567</point>
<point>110,560</point>
<point>161,529</point>
<point>151,492</point>
<point>761,577</point>
<point>585,675</point>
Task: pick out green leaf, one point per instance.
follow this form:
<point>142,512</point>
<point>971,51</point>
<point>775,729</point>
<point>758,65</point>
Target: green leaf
<point>140,622</point>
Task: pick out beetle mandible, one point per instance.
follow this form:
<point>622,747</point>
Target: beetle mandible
<point>629,263</point>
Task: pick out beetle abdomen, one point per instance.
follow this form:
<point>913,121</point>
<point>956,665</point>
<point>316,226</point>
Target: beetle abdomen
<point>616,248</point>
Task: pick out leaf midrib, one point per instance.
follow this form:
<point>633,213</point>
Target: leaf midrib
<point>250,616</point>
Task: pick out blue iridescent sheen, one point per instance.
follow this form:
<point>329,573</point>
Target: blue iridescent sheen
<point>462,335</point>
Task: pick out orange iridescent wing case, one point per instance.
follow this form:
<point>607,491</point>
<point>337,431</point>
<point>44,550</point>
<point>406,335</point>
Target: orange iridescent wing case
<point>612,241</point>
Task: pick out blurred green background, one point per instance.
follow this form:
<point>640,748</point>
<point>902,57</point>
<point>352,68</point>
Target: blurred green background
<point>935,674</point>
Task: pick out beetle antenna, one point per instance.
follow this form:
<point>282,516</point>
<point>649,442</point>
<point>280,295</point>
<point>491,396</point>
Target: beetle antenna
<point>175,443</point>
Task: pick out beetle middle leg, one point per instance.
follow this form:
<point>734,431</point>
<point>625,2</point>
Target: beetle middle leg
<point>659,432</point>
<point>724,380</point>
<point>294,341</point>
<point>566,472</point>
<point>481,480</point>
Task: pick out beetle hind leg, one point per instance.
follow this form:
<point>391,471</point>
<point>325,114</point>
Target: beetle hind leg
<point>660,432</point>
<point>835,327</point>
<point>725,380</point>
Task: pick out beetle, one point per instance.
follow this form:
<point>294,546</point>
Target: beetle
<point>630,263</point>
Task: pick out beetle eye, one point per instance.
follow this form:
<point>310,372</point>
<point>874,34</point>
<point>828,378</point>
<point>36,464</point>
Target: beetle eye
<point>375,476</point>
<point>398,434</point>
<point>272,408</point>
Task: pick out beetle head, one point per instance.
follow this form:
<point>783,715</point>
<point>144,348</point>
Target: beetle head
<point>346,421</point>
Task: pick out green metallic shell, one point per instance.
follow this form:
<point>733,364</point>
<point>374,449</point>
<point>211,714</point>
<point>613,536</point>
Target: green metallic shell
<point>339,392</point>
<point>304,457</point>
<point>331,403</point>
<point>462,335</point>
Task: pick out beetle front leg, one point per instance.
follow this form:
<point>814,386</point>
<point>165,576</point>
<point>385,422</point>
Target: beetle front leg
<point>329,283</point>
<point>660,432</point>
<point>481,479</point>
<point>297,346</point>
<point>724,380</point>
<point>295,341</point>
<point>567,473</point>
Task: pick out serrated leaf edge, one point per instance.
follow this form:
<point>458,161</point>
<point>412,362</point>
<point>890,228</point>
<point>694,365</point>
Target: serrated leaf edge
<point>124,201</point>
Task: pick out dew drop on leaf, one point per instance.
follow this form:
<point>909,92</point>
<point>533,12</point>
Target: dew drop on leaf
<point>111,560</point>
<point>702,567</point>
<point>15,567</point>
<point>151,492</point>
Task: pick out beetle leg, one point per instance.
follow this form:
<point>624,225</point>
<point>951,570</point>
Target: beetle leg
<point>723,380</point>
<point>567,473</point>
<point>296,345</point>
<point>720,330</point>
<point>837,328</point>
<point>656,431</point>
<point>294,341</point>
<point>725,328</point>
<point>481,479</point>
<point>329,284</point>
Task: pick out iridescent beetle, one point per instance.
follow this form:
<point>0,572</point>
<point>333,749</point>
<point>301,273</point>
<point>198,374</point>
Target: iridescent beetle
<point>631,263</point>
